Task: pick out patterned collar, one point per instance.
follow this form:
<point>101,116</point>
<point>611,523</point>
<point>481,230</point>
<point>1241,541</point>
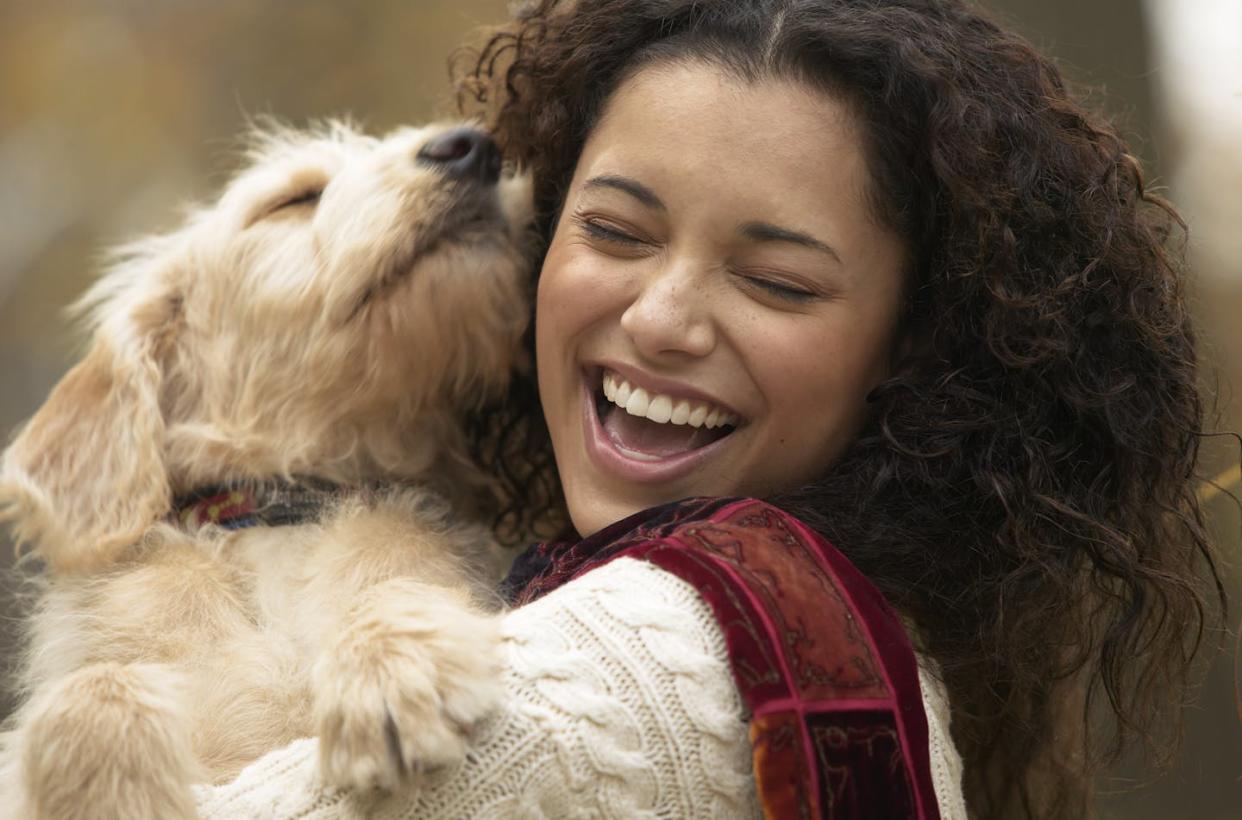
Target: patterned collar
<point>271,503</point>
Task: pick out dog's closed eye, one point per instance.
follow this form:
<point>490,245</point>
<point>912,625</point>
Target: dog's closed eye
<point>297,195</point>
<point>296,203</point>
<point>310,197</point>
<point>300,200</point>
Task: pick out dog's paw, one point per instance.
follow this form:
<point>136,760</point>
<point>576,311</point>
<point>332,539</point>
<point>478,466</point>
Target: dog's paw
<point>412,670</point>
<point>108,741</point>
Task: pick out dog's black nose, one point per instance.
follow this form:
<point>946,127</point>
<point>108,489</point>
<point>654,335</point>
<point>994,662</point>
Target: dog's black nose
<point>464,153</point>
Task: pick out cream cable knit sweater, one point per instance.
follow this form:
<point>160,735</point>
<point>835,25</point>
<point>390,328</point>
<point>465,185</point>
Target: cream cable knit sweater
<point>620,704</point>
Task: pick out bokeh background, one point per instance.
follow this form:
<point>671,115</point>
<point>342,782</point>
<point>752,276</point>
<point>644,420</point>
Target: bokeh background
<point>113,113</point>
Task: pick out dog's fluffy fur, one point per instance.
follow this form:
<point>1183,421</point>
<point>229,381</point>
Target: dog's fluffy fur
<point>333,315</point>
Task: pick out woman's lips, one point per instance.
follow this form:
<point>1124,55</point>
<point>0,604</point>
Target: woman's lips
<point>611,456</point>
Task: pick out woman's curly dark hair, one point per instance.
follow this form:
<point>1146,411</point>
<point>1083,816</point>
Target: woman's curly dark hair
<point>1024,491</point>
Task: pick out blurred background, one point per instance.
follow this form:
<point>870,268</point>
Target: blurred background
<point>113,113</point>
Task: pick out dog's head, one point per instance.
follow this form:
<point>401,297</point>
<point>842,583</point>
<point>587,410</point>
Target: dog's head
<point>332,314</point>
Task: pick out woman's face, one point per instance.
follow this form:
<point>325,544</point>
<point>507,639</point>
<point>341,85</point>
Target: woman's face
<point>717,300</point>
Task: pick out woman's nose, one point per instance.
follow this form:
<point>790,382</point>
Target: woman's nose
<point>669,315</point>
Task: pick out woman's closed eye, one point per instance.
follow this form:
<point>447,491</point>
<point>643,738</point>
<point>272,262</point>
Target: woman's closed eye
<point>607,232</point>
<point>778,286</point>
<point>781,289</point>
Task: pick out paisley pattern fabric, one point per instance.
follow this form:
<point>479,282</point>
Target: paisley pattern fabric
<point>822,663</point>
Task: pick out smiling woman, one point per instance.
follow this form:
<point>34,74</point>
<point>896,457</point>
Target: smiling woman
<point>868,262</point>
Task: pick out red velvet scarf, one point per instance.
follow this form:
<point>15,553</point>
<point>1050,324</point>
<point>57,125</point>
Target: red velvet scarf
<point>821,661</point>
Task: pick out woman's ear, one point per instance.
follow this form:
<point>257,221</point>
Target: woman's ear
<point>86,475</point>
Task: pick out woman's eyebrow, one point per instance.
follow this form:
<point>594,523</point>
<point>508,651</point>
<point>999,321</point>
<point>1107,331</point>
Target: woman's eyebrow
<point>767,232</point>
<point>630,186</point>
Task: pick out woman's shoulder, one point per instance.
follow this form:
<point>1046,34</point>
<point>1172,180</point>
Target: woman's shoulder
<point>816,653</point>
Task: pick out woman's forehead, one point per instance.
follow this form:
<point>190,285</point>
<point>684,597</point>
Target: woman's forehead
<point>700,138</point>
<point>763,109</point>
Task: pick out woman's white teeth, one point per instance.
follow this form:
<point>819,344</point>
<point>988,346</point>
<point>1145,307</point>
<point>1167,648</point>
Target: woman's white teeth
<point>638,403</point>
<point>663,409</point>
<point>660,410</point>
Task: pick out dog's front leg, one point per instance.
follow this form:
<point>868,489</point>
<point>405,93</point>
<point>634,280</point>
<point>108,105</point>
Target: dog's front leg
<point>412,669</point>
<point>107,742</point>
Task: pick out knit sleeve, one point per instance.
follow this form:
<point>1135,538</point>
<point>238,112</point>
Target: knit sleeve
<point>619,703</point>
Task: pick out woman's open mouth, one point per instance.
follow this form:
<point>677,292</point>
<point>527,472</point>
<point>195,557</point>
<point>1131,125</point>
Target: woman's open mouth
<point>649,436</point>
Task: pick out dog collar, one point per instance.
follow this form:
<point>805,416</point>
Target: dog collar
<point>268,504</point>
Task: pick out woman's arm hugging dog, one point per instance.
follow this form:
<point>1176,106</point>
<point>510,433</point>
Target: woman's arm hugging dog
<point>248,496</point>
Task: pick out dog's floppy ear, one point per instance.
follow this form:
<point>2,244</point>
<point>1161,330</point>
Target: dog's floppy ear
<point>86,475</point>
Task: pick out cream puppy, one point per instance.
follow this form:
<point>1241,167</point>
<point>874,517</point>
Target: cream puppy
<point>303,353</point>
